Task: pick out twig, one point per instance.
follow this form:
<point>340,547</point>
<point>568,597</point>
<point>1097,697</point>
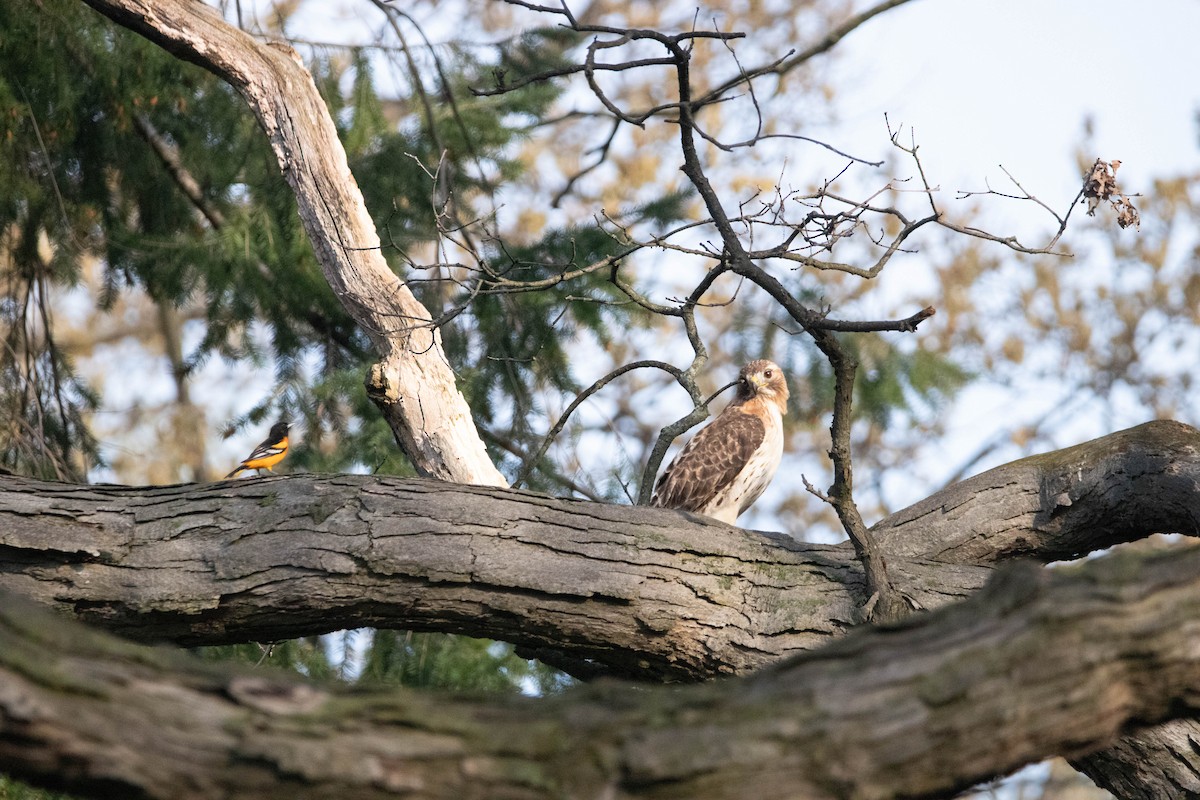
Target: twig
<point>790,62</point>
<point>532,460</point>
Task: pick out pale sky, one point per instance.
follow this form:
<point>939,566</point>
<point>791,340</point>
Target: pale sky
<point>1008,82</point>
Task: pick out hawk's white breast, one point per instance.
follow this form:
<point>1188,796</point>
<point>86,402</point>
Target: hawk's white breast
<point>752,480</point>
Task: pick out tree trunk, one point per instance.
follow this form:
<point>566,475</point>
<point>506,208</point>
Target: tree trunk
<point>412,384</point>
<point>1040,662</point>
<point>646,593</point>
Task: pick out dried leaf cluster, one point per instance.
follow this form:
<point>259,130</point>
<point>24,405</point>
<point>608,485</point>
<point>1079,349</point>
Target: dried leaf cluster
<point>1100,186</point>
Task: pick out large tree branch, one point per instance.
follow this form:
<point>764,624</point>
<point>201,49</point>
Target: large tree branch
<point>1062,504</point>
<point>646,592</point>
<point>413,384</point>
<point>1149,764</point>
<point>922,710</point>
<point>650,593</point>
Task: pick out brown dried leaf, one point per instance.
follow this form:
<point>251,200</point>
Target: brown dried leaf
<point>1127,214</point>
<point>1100,185</point>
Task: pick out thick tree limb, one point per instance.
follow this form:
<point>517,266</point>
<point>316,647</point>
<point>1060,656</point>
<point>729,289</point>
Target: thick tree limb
<point>1149,764</point>
<point>412,384</point>
<point>645,592</point>
<point>1065,504</point>
<point>921,710</point>
<point>648,593</point>
<point>1060,505</point>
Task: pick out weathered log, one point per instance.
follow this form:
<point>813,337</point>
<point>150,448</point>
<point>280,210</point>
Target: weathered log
<point>1040,662</point>
<point>646,593</point>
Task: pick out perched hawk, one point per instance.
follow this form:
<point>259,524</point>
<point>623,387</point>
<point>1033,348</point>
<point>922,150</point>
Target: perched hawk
<point>728,464</point>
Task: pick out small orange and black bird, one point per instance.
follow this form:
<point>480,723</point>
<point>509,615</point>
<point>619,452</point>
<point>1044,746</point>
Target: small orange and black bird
<point>269,453</point>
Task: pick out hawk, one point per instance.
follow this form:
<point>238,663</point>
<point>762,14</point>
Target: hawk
<point>728,464</point>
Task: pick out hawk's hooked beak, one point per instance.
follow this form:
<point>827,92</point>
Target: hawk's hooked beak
<point>758,380</point>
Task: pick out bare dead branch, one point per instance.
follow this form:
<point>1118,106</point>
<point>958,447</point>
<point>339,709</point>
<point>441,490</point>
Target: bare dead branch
<point>906,325</point>
<point>687,379</point>
<point>507,445</point>
<point>601,152</point>
<point>791,61</point>
<point>536,457</point>
<point>1011,242</point>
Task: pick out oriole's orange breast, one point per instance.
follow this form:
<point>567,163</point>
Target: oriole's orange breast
<point>270,458</point>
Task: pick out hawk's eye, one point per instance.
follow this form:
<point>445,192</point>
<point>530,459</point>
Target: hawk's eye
<point>768,374</point>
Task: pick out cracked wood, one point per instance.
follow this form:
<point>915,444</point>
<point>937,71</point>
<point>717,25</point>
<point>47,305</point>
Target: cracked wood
<point>646,592</point>
<point>922,709</point>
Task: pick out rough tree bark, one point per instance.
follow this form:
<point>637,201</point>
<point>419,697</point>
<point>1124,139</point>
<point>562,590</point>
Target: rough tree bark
<point>1039,662</point>
<point>1059,505</point>
<point>644,592</point>
<point>1064,505</point>
<point>412,384</point>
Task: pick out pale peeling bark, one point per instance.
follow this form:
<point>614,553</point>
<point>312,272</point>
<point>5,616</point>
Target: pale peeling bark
<point>413,384</point>
<point>919,710</point>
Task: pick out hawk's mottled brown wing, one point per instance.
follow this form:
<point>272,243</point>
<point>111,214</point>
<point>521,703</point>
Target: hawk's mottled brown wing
<point>710,462</point>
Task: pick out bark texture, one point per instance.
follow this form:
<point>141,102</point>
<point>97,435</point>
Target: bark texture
<point>413,384</point>
<point>1066,504</point>
<point>1038,663</point>
<point>646,593</point>
<point>1060,505</point>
